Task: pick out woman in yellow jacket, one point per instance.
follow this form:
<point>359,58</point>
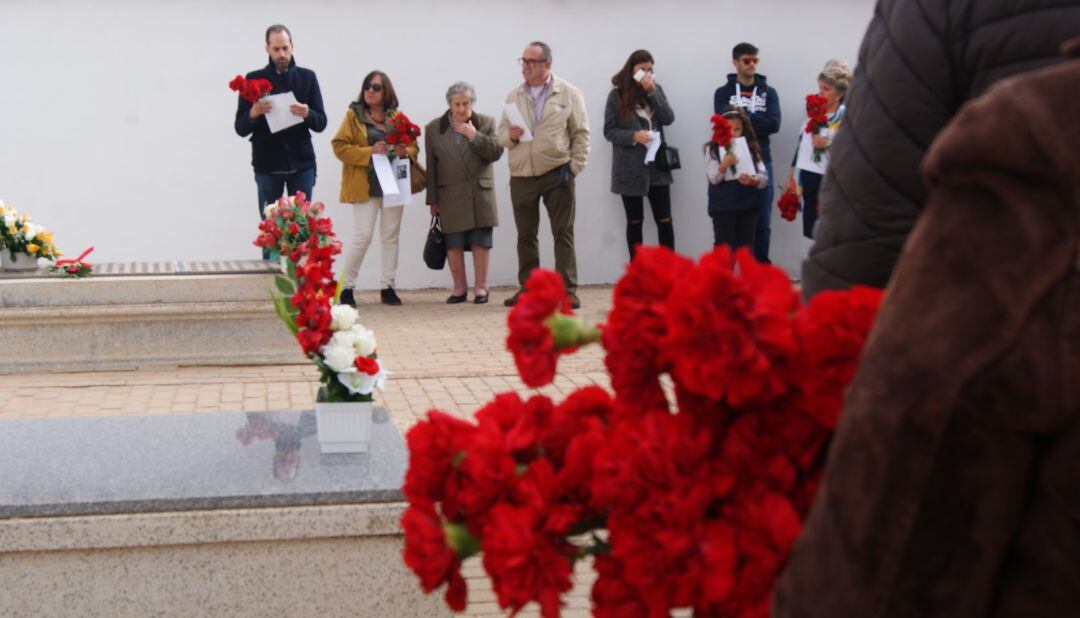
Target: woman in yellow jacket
<point>362,134</point>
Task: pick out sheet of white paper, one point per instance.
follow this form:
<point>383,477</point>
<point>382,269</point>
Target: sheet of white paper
<point>514,117</point>
<point>401,171</point>
<point>744,162</point>
<point>652,146</point>
<point>385,173</point>
<point>805,160</point>
<point>280,117</point>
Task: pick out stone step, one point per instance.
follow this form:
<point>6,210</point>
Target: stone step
<point>138,320</point>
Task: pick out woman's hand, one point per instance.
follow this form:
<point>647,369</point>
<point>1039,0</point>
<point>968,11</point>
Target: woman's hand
<point>648,84</point>
<point>400,151</point>
<point>379,147</point>
<point>747,179</point>
<point>466,129</point>
<point>821,142</point>
<point>434,209</point>
<point>728,160</point>
<point>790,184</point>
<point>641,137</point>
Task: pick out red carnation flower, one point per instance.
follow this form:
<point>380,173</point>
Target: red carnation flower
<point>831,331</point>
<point>430,557</point>
<point>816,112</point>
<point>789,205</point>
<point>611,595</point>
<point>637,326</point>
<point>730,333</point>
<point>531,339</point>
<point>366,365</point>
<point>722,131</point>
<point>435,444</point>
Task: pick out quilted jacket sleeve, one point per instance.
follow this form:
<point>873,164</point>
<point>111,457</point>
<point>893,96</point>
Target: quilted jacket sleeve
<point>919,62</point>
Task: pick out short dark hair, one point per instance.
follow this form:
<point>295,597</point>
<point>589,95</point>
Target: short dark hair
<point>545,50</point>
<point>389,97</point>
<point>743,49</point>
<point>278,28</point>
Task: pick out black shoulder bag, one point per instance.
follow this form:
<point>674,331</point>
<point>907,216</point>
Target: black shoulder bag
<point>667,157</point>
<point>434,247</point>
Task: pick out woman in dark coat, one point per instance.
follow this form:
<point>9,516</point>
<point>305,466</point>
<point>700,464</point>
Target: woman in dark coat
<point>461,147</point>
<point>636,107</point>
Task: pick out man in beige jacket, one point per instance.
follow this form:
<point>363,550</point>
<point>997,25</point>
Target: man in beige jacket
<point>545,166</point>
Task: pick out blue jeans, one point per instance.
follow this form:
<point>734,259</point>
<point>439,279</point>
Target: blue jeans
<point>271,186</point>
<point>763,232</point>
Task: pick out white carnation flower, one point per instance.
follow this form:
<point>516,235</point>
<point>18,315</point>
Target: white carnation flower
<point>365,340</point>
<point>362,383</point>
<point>343,317</point>
<point>339,358</point>
<point>345,339</point>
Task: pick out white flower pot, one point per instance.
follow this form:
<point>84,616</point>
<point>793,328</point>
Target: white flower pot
<point>22,261</point>
<point>344,427</point>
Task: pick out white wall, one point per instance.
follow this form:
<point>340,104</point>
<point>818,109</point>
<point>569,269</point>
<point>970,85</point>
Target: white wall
<point>117,119</point>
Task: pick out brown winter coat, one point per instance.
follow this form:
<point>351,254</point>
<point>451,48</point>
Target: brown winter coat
<point>919,62</point>
<point>953,484</point>
<point>459,174</point>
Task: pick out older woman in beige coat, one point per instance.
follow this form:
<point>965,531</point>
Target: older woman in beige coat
<point>461,147</point>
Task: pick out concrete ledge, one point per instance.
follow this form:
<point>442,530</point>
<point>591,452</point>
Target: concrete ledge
<point>135,321</point>
<point>195,527</point>
<point>342,560</point>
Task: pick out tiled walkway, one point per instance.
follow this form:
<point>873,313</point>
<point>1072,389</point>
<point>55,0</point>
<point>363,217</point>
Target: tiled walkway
<point>450,357</point>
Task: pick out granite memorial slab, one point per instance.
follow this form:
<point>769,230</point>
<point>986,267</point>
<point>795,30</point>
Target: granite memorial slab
<point>177,462</point>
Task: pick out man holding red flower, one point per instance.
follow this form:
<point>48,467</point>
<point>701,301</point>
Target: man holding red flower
<point>285,159</point>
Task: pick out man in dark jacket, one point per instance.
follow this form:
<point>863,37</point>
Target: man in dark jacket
<point>286,158</point>
<point>919,62</point>
<point>951,488</point>
<point>748,90</point>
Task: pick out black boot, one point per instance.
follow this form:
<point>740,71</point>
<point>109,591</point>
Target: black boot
<point>347,298</point>
<point>389,297</point>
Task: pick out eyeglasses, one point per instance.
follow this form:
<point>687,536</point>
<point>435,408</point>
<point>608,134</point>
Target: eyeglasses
<point>373,87</point>
<point>745,60</point>
<point>530,61</point>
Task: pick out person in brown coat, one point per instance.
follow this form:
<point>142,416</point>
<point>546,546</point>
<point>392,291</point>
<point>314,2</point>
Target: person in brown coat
<point>461,147</point>
<point>952,486</point>
<point>919,62</point>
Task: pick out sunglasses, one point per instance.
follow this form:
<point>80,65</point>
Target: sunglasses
<point>374,87</point>
<point>529,61</point>
<point>748,60</point>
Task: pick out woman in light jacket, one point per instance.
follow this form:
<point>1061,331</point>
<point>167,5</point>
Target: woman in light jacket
<point>635,107</point>
<point>363,133</point>
<point>460,147</point>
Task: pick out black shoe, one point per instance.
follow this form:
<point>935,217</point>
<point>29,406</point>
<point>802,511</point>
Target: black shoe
<point>510,302</point>
<point>574,302</point>
<point>481,299</point>
<point>347,298</point>
<point>457,298</point>
<point>389,297</point>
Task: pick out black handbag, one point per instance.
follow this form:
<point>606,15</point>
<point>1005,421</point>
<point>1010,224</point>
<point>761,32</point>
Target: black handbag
<point>435,247</point>
<point>667,157</point>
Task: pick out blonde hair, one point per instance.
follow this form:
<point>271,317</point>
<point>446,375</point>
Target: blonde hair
<point>837,74</point>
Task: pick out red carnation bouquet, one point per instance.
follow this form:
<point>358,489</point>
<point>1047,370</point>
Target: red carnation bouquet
<point>250,90</point>
<point>722,133</point>
<point>789,205</point>
<point>402,130</point>
<point>817,118</point>
<point>689,495</point>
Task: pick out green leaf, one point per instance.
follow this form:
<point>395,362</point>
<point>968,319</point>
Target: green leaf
<point>280,306</point>
<point>284,286</point>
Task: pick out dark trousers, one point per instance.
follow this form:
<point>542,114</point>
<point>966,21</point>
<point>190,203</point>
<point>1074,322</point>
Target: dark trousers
<point>271,186</point>
<point>811,185</point>
<point>660,202</point>
<point>763,232</point>
<point>734,228</point>
<point>526,193</point>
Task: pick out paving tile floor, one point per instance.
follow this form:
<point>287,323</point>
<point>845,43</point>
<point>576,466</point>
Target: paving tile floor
<point>450,357</point>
